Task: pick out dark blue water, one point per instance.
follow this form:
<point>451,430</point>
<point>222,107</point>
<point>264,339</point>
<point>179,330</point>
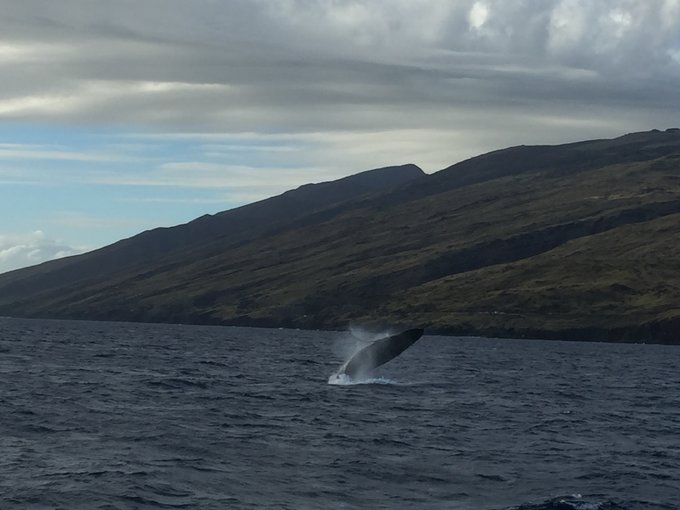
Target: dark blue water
<point>117,416</point>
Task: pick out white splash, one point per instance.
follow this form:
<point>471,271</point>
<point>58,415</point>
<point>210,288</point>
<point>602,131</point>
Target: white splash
<point>346,347</point>
<point>355,339</point>
<point>345,380</point>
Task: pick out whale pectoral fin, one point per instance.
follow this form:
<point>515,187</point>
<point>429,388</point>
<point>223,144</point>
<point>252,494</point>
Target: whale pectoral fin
<point>380,352</point>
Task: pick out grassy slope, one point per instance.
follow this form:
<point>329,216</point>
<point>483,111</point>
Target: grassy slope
<point>548,252</point>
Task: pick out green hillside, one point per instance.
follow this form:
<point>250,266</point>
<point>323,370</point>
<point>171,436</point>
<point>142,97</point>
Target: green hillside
<point>577,241</point>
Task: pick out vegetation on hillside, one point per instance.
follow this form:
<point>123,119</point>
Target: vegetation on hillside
<point>578,241</point>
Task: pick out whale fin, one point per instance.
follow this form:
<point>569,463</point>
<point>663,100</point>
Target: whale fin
<point>380,352</point>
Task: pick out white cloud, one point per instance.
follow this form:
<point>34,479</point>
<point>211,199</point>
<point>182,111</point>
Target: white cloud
<point>478,15</point>
<point>23,52</point>
<point>41,105</point>
<point>17,151</point>
<point>30,249</point>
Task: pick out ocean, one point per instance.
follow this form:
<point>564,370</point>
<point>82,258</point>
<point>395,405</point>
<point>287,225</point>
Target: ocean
<point>98,415</point>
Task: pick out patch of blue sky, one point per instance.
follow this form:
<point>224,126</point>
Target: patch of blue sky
<point>91,186</point>
<point>77,153</point>
<point>33,133</point>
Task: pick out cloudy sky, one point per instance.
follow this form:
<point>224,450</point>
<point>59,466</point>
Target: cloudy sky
<point>121,115</point>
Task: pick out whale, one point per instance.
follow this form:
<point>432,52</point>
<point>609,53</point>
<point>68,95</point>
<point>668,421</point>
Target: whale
<point>380,352</point>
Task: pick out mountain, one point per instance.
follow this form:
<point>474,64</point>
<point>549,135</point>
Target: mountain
<point>157,250</point>
<point>574,241</point>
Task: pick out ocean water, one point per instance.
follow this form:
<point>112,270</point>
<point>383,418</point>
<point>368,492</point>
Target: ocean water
<point>118,416</point>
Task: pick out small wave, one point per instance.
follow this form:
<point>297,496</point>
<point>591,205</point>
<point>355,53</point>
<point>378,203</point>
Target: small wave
<point>493,478</point>
<point>345,380</point>
<point>573,502</point>
<point>104,355</point>
<point>178,383</point>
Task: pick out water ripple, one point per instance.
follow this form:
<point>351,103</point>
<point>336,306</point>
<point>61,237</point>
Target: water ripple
<point>120,416</point>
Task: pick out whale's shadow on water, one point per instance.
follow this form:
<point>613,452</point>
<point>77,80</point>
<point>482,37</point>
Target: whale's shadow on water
<point>358,369</point>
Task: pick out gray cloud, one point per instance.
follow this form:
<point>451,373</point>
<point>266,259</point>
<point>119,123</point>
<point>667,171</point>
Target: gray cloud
<point>295,66</point>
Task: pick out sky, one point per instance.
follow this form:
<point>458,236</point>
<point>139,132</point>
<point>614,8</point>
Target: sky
<point>117,116</point>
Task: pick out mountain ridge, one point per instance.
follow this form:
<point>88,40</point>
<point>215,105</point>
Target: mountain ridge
<point>128,253</point>
<point>476,248</point>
